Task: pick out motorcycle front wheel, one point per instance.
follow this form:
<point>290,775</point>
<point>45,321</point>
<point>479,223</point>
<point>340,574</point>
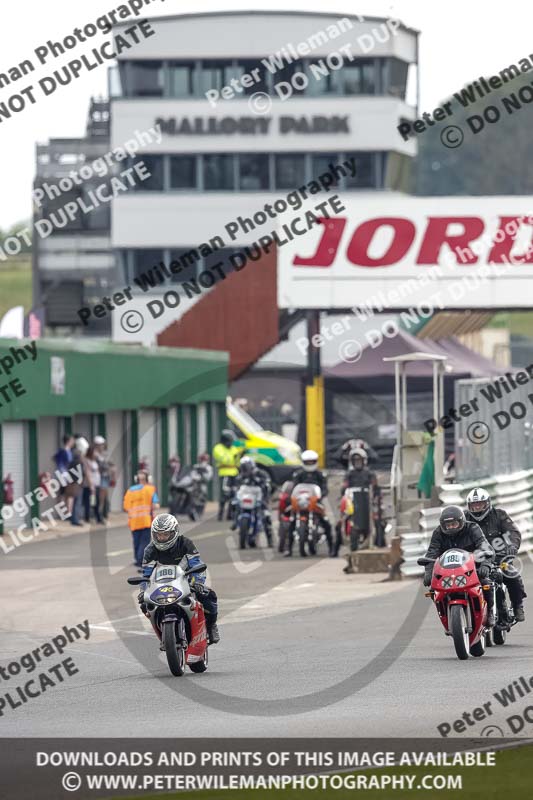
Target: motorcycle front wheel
<point>175,654</point>
<point>244,528</point>
<point>302,534</point>
<point>458,631</point>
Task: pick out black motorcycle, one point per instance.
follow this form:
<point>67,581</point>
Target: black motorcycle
<point>504,613</point>
<point>188,492</point>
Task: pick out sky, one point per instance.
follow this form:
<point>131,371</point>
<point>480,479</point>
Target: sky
<point>459,42</point>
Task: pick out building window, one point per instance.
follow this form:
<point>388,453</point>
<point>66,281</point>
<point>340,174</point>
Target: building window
<point>181,78</point>
<point>397,78</point>
<point>155,166</point>
<point>215,75</point>
<point>259,81</point>
<point>285,74</point>
<point>146,78</point>
<point>357,78</point>
<point>253,172</point>
<point>365,174</point>
<point>322,79</point>
<point>183,172</point>
<point>185,264</point>
<point>289,170</point>
<point>143,262</point>
<point>218,173</point>
<point>320,163</point>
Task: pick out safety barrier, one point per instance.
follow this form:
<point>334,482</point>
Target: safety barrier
<point>512,492</point>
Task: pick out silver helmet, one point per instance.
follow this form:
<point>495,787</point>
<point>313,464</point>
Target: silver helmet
<point>165,531</point>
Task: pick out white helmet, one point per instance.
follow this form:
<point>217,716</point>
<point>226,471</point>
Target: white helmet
<point>82,445</point>
<point>165,531</point>
<point>310,460</point>
<point>358,452</point>
<point>478,503</point>
<point>246,466</point>
<point>98,440</point>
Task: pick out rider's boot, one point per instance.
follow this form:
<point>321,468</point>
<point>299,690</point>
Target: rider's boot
<point>519,614</point>
<point>213,634</point>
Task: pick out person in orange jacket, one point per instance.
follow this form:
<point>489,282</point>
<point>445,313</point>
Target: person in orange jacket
<point>141,502</point>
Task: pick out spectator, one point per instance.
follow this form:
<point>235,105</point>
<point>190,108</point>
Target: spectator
<point>73,491</point>
<point>92,498</point>
<point>63,460</point>
<point>63,457</point>
<point>105,467</point>
<point>141,503</point>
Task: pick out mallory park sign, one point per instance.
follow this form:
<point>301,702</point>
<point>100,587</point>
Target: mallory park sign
<point>257,125</point>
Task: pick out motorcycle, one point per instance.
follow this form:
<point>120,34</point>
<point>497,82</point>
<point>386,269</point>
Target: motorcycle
<point>306,512</point>
<point>458,596</point>
<point>228,494</point>
<point>188,493</point>
<point>177,617</point>
<point>284,515</point>
<point>248,514</point>
<point>505,618</point>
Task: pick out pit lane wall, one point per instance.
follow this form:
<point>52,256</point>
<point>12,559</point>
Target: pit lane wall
<point>513,492</point>
<point>148,402</point>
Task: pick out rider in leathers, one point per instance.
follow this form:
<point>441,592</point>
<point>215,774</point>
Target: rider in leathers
<point>362,479</point>
<point>252,475</point>
<point>503,536</point>
<point>168,546</point>
<point>454,531</point>
<point>310,473</point>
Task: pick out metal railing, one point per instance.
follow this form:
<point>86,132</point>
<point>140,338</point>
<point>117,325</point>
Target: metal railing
<point>512,492</point>
<point>495,435</point>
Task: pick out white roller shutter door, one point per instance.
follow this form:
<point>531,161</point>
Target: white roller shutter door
<point>14,463</point>
<point>116,452</point>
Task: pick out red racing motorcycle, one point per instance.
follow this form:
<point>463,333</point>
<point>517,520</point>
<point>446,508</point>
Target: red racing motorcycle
<point>458,596</point>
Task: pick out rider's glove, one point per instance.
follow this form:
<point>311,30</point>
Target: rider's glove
<point>483,571</point>
<point>147,571</point>
<point>511,551</point>
<point>428,574</point>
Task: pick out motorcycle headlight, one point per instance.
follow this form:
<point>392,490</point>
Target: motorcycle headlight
<point>447,582</point>
<point>460,580</point>
<point>165,598</point>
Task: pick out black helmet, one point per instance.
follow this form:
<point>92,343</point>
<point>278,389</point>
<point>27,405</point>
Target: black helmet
<point>227,438</point>
<point>452,520</point>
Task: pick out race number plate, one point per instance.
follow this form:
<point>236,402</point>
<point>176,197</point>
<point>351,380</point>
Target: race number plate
<point>165,573</point>
<point>453,558</point>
